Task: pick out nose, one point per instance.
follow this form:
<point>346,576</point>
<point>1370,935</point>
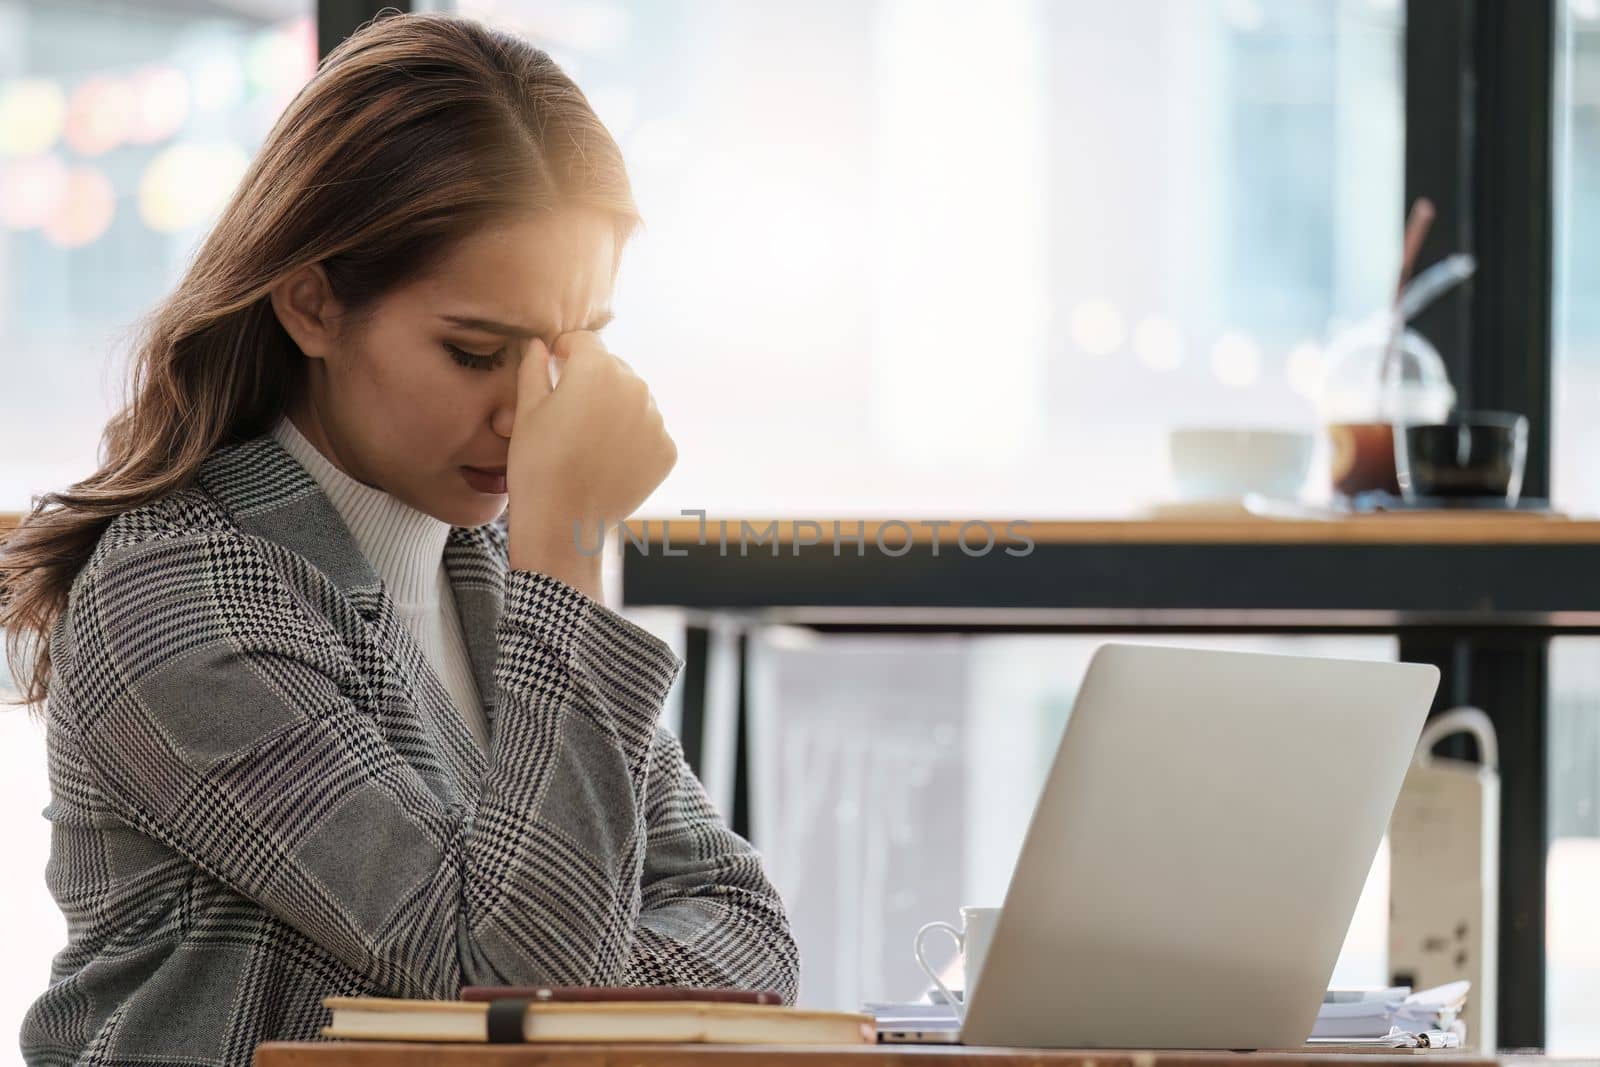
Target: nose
<point>504,416</point>
<point>503,419</point>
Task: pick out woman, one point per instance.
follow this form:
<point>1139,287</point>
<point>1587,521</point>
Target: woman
<point>334,708</point>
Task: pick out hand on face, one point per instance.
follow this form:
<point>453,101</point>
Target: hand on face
<point>588,450</point>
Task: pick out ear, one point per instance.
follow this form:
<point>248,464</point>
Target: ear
<point>304,303</point>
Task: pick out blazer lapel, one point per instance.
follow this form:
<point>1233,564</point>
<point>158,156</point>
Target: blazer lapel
<point>475,561</point>
<point>272,496</point>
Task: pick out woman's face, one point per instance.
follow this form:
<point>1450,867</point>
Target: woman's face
<point>427,384</point>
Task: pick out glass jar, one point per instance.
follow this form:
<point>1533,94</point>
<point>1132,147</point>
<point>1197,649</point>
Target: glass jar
<point>1378,380</point>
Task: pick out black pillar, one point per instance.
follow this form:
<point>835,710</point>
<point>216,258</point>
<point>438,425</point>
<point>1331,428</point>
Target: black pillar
<point>1480,144</point>
<point>338,19</point>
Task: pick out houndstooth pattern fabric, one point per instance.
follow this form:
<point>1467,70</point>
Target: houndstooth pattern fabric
<point>261,794</point>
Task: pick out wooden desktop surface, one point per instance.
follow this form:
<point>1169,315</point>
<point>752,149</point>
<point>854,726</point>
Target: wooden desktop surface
<point>418,1054</point>
<point>1464,527</point>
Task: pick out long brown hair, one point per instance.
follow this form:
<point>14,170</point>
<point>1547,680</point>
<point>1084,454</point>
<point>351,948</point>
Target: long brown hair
<point>415,131</point>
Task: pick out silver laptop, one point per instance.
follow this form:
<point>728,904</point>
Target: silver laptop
<point>1198,850</point>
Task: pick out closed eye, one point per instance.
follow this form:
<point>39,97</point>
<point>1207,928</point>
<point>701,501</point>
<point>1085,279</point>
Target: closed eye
<point>474,361</point>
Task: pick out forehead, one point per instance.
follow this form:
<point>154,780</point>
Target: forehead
<point>549,272</point>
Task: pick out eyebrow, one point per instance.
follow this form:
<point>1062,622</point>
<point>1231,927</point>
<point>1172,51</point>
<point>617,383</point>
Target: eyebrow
<point>506,329</point>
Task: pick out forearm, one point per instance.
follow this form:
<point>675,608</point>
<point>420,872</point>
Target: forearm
<point>709,914</point>
<point>741,941</point>
<point>581,691</point>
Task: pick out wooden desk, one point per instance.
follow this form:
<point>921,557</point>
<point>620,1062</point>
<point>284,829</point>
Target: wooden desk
<point>384,1054</point>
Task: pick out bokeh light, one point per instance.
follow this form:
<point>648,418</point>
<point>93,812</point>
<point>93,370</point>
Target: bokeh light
<point>1158,343</point>
<point>84,211</point>
<point>1096,327</point>
<point>100,113</point>
<point>186,183</point>
<point>217,82</point>
<point>1306,366</point>
<point>1236,359</point>
<point>280,60</point>
<point>30,189</point>
<point>31,114</point>
<point>160,103</point>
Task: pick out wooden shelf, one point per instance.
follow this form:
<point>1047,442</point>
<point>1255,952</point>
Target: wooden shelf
<point>1460,528</point>
<point>1455,528</point>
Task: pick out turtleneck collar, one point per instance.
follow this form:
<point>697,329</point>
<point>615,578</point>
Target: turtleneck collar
<point>405,546</point>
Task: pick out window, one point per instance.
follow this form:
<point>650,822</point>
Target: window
<point>126,127</point>
<point>968,242</point>
<point>1575,437</point>
<point>1572,981</point>
<point>1573,866</point>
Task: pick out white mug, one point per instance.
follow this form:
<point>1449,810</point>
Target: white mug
<point>977,929</point>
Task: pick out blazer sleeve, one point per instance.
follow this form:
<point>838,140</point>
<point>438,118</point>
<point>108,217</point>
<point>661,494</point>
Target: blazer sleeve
<point>710,917</point>
<point>224,719</point>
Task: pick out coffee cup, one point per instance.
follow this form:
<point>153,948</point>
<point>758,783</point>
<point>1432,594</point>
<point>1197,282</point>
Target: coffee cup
<point>972,941</point>
<point>1470,454</point>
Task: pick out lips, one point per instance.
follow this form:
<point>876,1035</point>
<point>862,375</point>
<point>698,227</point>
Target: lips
<point>485,479</point>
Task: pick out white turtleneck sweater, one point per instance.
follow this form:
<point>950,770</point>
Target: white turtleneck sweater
<point>406,547</point>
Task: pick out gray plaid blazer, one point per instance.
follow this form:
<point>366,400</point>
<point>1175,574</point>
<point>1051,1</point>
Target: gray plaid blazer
<point>262,795</point>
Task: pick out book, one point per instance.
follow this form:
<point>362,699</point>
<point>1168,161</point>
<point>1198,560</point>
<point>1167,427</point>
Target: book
<point>631,1020</point>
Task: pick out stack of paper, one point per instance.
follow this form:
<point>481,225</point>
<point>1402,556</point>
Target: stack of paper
<point>1393,1017</point>
<point>1382,1018</point>
<point>916,1016</point>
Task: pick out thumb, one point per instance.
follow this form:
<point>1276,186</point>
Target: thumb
<point>533,376</point>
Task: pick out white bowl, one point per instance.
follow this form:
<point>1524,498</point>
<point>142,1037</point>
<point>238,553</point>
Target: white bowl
<point>1211,464</point>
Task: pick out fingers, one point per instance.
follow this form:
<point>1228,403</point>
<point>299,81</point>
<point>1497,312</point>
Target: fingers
<point>586,347</point>
<point>580,344</point>
<point>577,343</point>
